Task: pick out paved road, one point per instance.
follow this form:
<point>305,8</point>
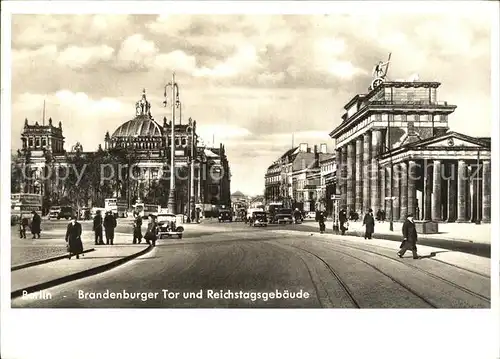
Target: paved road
<point>269,262</point>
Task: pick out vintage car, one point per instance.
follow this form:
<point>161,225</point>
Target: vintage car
<point>225,215</point>
<point>167,226</point>
<point>283,215</point>
<point>258,219</point>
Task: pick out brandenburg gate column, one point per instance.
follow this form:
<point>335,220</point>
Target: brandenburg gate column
<point>486,191</point>
<point>382,189</point>
<point>427,192</point>
<point>396,179</point>
<point>374,171</point>
<point>452,192</point>
<point>367,141</point>
<point>358,182</point>
<point>436,192</point>
<point>404,190</point>
<point>462,191</point>
<point>343,174</point>
<point>338,160</point>
<point>351,155</point>
<point>388,190</point>
<point>412,191</point>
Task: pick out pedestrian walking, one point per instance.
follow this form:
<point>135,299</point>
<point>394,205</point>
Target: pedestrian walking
<point>321,221</point>
<point>409,237</point>
<point>23,224</point>
<point>36,225</point>
<point>369,223</point>
<point>74,238</point>
<point>137,229</point>
<point>344,225</point>
<point>97,228</point>
<point>151,235</point>
<point>109,227</point>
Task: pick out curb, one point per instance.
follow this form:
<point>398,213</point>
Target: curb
<point>79,275</point>
<point>468,247</point>
<point>43,261</point>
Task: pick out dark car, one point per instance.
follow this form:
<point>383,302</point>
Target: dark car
<point>65,212</point>
<point>225,216</point>
<point>283,215</point>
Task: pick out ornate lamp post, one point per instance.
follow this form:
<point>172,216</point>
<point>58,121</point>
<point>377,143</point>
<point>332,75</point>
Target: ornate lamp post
<point>175,104</point>
<point>191,161</point>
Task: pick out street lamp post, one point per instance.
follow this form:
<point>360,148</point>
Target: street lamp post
<point>478,200</point>
<point>175,103</point>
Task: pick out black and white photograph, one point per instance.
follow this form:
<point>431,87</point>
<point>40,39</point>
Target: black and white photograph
<point>324,159</point>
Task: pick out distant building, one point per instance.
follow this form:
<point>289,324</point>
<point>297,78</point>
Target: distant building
<point>286,179</point>
<point>147,144</point>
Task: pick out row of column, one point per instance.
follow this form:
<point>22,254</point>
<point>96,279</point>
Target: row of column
<point>453,193</point>
<point>363,185</point>
<point>358,172</point>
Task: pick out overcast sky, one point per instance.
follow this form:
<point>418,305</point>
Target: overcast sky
<point>251,81</point>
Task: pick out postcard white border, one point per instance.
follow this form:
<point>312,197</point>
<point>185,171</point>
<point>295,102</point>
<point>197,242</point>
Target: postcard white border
<point>242,333</point>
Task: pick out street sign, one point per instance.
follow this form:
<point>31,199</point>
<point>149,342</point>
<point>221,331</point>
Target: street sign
<point>335,196</point>
<point>393,198</point>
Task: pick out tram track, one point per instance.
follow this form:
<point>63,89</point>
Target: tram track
<point>315,278</point>
<point>425,300</point>
<point>432,275</point>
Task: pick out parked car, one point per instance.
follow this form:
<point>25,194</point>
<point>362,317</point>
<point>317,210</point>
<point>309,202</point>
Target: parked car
<point>258,219</point>
<point>225,215</point>
<point>54,212</point>
<point>167,226</point>
<point>66,212</point>
<point>284,215</point>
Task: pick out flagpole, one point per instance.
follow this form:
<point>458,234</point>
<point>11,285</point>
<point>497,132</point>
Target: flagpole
<point>43,117</point>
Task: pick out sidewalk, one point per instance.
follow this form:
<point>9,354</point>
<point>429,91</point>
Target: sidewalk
<point>47,275</point>
<point>467,261</point>
<point>466,232</point>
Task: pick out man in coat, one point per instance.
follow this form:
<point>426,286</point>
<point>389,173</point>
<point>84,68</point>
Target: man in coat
<point>97,228</point>
<point>23,224</point>
<point>369,223</point>
<point>321,221</point>
<point>409,237</point>
<point>109,227</point>
<point>343,220</point>
<point>74,239</point>
<point>36,224</point>
<point>137,229</point>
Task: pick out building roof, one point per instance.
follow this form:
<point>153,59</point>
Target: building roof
<point>237,193</point>
<point>209,153</point>
<point>139,126</point>
<point>328,157</point>
<point>450,140</point>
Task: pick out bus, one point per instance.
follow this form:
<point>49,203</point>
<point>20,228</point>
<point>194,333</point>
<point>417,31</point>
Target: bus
<point>144,210</point>
<point>117,206</point>
<point>24,204</point>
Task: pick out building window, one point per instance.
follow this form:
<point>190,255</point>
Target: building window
<point>177,142</point>
<point>37,142</point>
<point>378,117</point>
<point>184,141</point>
<point>444,118</point>
<point>403,117</point>
<point>417,117</point>
<point>44,142</point>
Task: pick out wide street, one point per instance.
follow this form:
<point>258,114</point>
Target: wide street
<point>215,261</point>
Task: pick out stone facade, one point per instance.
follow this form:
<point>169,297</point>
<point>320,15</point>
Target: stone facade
<point>411,161</point>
